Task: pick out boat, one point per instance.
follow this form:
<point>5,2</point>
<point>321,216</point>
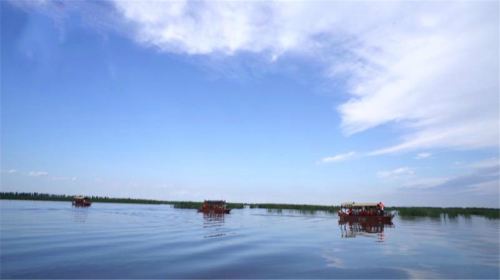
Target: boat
<point>214,207</point>
<point>81,201</point>
<point>364,212</point>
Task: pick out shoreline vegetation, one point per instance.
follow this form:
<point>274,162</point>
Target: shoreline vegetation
<point>403,212</point>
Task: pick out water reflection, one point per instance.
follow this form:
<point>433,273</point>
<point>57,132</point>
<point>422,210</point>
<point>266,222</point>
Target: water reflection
<point>45,240</point>
<point>80,214</point>
<point>213,223</point>
<point>351,229</point>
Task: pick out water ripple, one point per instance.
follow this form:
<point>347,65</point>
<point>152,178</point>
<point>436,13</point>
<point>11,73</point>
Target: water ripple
<point>54,240</point>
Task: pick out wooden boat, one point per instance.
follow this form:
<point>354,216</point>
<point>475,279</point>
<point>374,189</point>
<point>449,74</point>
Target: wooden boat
<point>364,212</point>
<point>81,201</point>
<point>214,207</point>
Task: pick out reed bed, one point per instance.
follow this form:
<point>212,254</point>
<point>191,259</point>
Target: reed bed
<point>449,212</point>
<point>197,205</point>
<point>57,197</point>
<point>404,212</point>
<point>298,207</point>
<point>186,204</point>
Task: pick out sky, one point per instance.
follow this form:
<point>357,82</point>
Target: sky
<point>287,102</point>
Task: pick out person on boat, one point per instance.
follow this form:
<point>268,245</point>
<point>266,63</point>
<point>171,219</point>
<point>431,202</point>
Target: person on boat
<point>381,208</point>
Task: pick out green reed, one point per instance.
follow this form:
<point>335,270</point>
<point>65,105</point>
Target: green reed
<point>448,212</point>
<point>57,197</point>
<point>404,212</point>
<point>306,208</point>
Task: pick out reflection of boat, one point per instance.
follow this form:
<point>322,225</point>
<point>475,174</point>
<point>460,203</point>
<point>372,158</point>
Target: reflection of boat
<point>213,225</point>
<point>213,218</point>
<point>80,215</point>
<point>215,207</point>
<point>81,201</point>
<point>364,212</point>
<point>350,229</point>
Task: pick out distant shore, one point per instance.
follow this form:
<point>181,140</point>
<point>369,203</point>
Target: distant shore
<point>404,212</point>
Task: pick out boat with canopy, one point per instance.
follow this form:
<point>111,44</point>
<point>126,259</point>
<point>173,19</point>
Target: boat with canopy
<point>214,207</point>
<point>81,201</point>
<point>364,211</point>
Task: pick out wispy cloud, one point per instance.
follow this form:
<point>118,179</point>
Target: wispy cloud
<point>424,183</point>
<point>423,155</point>
<point>62,178</point>
<point>398,85</point>
<point>339,157</point>
<point>403,63</point>
<point>479,176</point>
<point>395,70</point>
<point>41,174</point>
<point>396,173</point>
<point>38,173</point>
<point>490,187</point>
<point>486,163</point>
<point>473,186</point>
<point>479,180</point>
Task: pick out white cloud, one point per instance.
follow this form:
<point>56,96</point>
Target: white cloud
<point>396,173</point>
<point>423,155</point>
<point>10,171</point>
<point>429,68</point>
<point>225,27</point>
<point>339,157</point>
<point>38,173</point>
<point>440,84</point>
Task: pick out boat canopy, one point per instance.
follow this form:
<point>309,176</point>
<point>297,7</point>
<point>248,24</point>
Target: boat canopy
<point>359,204</point>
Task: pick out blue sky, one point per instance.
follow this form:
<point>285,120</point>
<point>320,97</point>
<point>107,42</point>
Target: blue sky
<point>252,101</point>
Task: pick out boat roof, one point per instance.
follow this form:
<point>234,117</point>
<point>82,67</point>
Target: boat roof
<point>359,204</point>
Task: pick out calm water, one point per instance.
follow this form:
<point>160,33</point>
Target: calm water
<point>54,240</point>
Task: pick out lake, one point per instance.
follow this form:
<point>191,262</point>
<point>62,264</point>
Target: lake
<point>54,240</point>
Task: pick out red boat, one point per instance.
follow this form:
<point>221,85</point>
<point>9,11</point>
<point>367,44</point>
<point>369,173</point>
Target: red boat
<point>364,212</point>
<point>81,201</point>
<point>214,207</point>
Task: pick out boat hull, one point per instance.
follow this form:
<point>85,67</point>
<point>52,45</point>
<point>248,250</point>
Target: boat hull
<point>214,211</point>
<point>366,219</point>
<point>82,204</point>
